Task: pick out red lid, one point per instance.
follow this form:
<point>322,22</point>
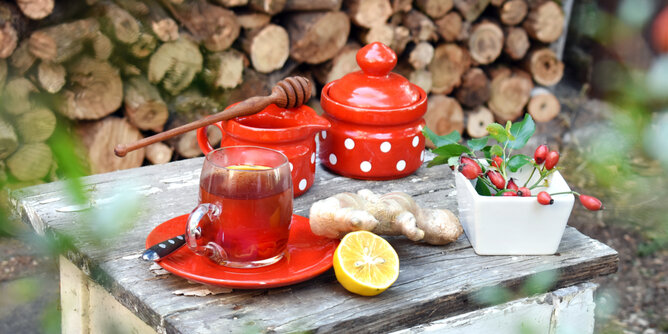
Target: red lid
<point>375,86</point>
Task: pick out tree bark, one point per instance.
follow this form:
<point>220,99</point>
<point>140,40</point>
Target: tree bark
<point>94,90</point>
<point>36,9</point>
<point>232,3</point>
<point>434,8</point>
<point>310,5</point>
<point>144,107</point>
<point>513,12</point>
<point>268,47</point>
<point>215,26</point>
<point>119,24</point>
<point>510,92</point>
<point>544,66</point>
<point>477,122</point>
<point>316,37</point>
<point>475,88</point>
<point>545,22</point>
<point>450,27</point>
<point>543,105</point>
<point>9,142</point>
<point>224,69</point>
<point>8,39</point>
<point>485,42</point>
<point>444,115</point>
<point>449,63</point>
<point>422,28</point>
<point>344,63</point>
<point>36,125</point>
<point>59,43</point>
<point>401,6</point>
<point>471,9</point>
<point>369,13</point>
<point>175,65</point>
<point>159,153</point>
<point>517,43</point>
<point>30,162</point>
<point>421,55</point>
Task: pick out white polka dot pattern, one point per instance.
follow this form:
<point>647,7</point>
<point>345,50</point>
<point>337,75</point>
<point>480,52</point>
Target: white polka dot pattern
<point>385,147</point>
<point>401,165</point>
<point>313,157</point>
<point>365,166</point>
<point>332,159</point>
<point>349,143</point>
<point>302,184</point>
<point>323,134</point>
<point>316,138</point>
<point>422,156</point>
<point>416,141</point>
<point>291,166</point>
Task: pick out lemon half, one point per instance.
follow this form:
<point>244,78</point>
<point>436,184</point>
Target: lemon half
<point>365,263</point>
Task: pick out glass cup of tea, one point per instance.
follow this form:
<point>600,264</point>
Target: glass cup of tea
<point>245,207</point>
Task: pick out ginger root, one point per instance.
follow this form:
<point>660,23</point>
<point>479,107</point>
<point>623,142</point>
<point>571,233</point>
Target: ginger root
<point>394,213</point>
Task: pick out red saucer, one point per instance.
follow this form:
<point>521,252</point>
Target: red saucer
<point>308,256</point>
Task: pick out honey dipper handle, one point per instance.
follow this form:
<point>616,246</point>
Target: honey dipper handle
<point>247,107</point>
<point>290,92</point>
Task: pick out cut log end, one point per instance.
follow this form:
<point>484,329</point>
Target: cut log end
<point>477,122</point>
<point>36,9</point>
<point>99,139</point>
<point>450,27</point>
<point>51,76</point>
<point>517,43</point>
<point>544,66</point>
<point>8,40</point>
<point>369,13</point>
<point>545,22</point>
<point>543,105</point>
<point>434,8</point>
<point>475,88</point>
<point>421,55</point>
<point>159,153</point>
<point>268,48</point>
<point>510,92</point>
<point>316,37</point>
<point>444,115</point>
<point>485,42</point>
<point>30,162</point>
<point>449,63</point>
<point>94,90</point>
<point>166,30</point>
<point>512,12</point>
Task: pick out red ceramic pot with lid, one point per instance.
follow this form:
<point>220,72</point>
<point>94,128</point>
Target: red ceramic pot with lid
<point>376,118</point>
<point>290,131</point>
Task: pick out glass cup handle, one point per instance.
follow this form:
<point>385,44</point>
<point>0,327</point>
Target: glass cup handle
<point>194,232</point>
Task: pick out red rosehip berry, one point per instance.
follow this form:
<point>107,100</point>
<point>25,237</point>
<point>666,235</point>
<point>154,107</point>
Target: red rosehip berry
<point>591,203</point>
<point>497,161</point>
<point>660,31</point>
<point>496,178</point>
<point>540,154</point>
<point>545,198</point>
<point>509,193</point>
<point>511,185</point>
<point>524,192</point>
<point>473,163</point>
<point>551,160</point>
<point>469,171</point>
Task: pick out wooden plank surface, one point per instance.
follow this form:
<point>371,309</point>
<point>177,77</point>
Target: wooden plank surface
<point>434,281</point>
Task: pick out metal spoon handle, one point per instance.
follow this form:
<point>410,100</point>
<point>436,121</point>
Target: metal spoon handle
<point>164,248</point>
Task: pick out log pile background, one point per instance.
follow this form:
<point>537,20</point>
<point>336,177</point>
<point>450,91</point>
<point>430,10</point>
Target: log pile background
<point>114,71</point>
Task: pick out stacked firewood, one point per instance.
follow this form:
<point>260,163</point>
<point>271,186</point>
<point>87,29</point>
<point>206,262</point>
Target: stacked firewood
<point>123,69</point>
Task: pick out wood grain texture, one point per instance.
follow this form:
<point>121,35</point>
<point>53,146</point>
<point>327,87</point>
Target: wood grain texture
<point>434,282</point>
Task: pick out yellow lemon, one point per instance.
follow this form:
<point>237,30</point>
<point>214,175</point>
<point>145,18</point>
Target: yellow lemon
<point>365,263</point>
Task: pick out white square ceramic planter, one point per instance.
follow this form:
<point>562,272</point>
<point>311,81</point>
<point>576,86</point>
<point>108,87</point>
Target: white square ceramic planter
<point>514,225</point>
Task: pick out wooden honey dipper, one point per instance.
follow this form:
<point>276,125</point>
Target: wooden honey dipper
<point>288,93</point>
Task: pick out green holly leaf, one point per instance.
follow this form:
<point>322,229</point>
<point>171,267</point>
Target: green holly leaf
<point>517,161</point>
<point>522,131</point>
<point>482,188</point>
<point>496,150</point>
<point>451,138</point>
<point>477,144</point>
<point>450,150</point>
<point>497,132</point>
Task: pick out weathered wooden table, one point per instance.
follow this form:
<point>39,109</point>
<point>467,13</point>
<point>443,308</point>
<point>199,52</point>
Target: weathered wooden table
<point>108,286</point>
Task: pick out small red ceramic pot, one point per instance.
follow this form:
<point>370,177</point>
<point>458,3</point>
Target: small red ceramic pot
<point>376,118</point>
<point>291,131</point>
